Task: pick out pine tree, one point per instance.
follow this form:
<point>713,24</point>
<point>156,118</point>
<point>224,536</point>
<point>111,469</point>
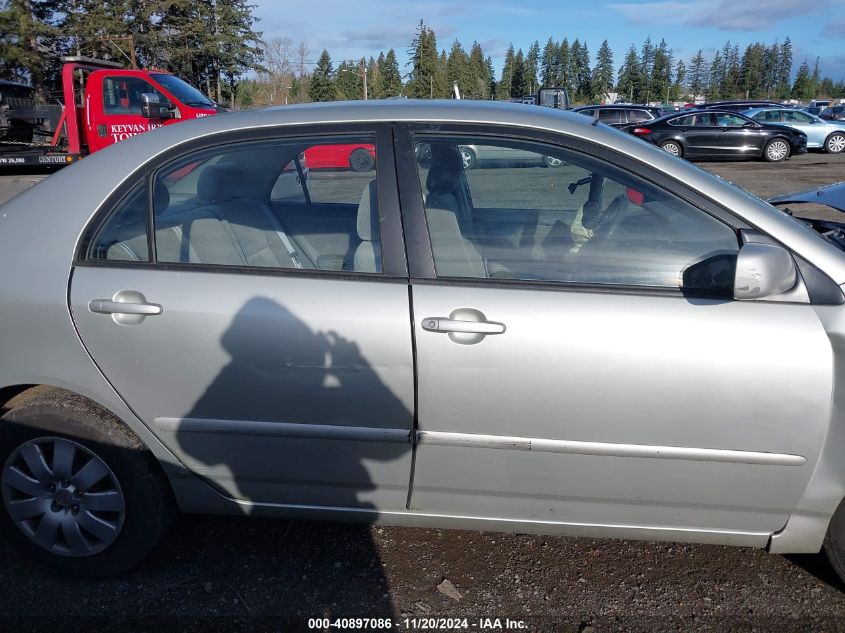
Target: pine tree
<point>717,73</point>
<point>628,83</point>
<point>679,87</point>
<point>803,86</point>
<point>584,77</point>
<point>532,67</point>
<point>815,79</point>
<point>348,81</point>
<point>752,72</point>
<point>503,89</point>
<point>479,76</point>
<point>442,89</point>
<point>784,69</point>
<point>424,62</point>
<point>549,64</point>
<point>698,75</point>
<point>27,36</point>
<point>390,77</point>
<point>646,67</point>
<point>322,86</point>
<point>374,67</point>
<point>602,79</point>
<point>564,79</point>
<point>519,84</point>
<point>458,69</point>
<point>237,44</point>
<point>661,72</point>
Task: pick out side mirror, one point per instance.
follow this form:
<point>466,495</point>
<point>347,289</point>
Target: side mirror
<point>749,124</point>
<point>152,107</point>
<point>763,270</point>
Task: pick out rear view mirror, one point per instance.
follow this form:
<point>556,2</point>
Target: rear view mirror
<point>152,107</point>
<point>763,270</point>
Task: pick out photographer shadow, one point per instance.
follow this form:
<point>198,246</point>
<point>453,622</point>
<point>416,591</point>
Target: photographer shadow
<point>315,427</point>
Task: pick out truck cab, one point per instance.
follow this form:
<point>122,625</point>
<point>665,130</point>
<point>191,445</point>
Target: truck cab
<point>114,104</point>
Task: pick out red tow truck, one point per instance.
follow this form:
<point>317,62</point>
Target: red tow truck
<point>103,103</point>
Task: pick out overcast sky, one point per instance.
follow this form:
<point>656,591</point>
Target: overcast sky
<point>355,29</point>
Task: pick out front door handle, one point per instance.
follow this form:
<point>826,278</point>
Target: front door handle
<point>126,307</point>
<point>465,326</point>
<point>444,324</point>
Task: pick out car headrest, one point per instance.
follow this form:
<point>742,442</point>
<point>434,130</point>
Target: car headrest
<point>445,171</point>
<point>368,218</point>
<point>218,183</point>
<point>161,196</point>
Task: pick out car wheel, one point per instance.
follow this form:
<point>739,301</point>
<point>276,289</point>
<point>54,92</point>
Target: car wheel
<point>551,161</point>
<point>835,143</point>
<point>672,147</point>
<point>80,493</point>
<point>467,158</point>
<point>834,542</point>
<point>776,150</point>
<point>361,160</point>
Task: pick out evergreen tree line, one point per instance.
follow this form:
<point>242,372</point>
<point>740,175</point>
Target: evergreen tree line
<point>210,43</point>
<point>648,73</point>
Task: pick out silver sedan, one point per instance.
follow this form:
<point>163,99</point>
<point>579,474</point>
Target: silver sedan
<point>622,347</point>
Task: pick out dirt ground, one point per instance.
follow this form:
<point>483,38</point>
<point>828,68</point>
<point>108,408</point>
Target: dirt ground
<point>254,574</point>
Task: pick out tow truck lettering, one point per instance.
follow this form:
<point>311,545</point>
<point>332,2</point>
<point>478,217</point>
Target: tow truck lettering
<point>121,131</point>
<point>12,161</point>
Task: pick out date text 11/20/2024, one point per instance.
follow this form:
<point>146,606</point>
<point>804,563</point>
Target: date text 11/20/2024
<point>418,624</point>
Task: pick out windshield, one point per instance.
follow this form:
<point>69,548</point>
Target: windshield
<point>183,91</point>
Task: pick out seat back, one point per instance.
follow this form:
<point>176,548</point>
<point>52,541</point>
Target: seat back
<point>367,256</point>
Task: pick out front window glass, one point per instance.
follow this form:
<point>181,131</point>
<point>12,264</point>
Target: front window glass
<point>183,91</point>
<point>797,117</point>
<point>560,216</point>
<point>730,120</point>
<point>122,95</point>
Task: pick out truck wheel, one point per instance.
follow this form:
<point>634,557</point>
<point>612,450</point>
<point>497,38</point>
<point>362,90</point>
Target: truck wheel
<point>835,143</point>
<point>361,160</point>
<point>81,494</point>
<point>776,150</point>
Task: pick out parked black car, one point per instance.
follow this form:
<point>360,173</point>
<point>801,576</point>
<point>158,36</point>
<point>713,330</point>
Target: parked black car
<point>721,134</point>
<point>738,105</point>
<point>621,115</point>
<point>833,113</point>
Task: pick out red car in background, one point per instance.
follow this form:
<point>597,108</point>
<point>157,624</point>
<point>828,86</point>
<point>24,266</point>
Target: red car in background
<point>357,157</point>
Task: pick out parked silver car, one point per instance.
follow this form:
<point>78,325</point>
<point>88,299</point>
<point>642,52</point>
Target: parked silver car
<point>624,346</point>
<point>821,134</point>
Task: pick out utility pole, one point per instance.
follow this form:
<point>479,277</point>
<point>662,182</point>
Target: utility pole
<point>364,64</point>
<point>431,83</point>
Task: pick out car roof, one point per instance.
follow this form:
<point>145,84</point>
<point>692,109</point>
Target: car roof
<point>616,106</point>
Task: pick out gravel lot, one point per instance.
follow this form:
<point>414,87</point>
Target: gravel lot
<point>254,574</point>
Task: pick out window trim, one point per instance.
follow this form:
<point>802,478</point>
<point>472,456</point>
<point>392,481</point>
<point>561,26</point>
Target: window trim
<point>418,244</point>
<point>394,261</point>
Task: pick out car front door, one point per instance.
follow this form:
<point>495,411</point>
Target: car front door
<point>590,367</point>
<point>120,117</point>
<point>269,350</point>
<point>735,137</point>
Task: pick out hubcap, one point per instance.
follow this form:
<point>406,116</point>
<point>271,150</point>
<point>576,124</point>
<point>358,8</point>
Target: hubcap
<point>63,496</point>
<point>466,157</point>
<point>551,161</point>
<point>672,149</point>
<point>778,150</point>
<point>836,144</point>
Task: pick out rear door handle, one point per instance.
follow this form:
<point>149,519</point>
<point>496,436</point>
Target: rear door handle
<point>126,307</point>
<point>445,324</point>
<point>107,306</point>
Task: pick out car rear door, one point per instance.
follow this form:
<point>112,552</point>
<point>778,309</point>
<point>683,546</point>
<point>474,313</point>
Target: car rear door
<point>601,380</point>
<point>697,132</point>
<point>275,361</point>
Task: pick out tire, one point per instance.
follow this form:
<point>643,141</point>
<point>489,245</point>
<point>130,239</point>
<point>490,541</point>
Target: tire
<point>467,157</point>
<point>672,147</point>
<point>835,143</point>
<point>361,160</point>
<point>108,513</point>
<point>834,542</point>
<point>777,150</point>
<point>551,161</point>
